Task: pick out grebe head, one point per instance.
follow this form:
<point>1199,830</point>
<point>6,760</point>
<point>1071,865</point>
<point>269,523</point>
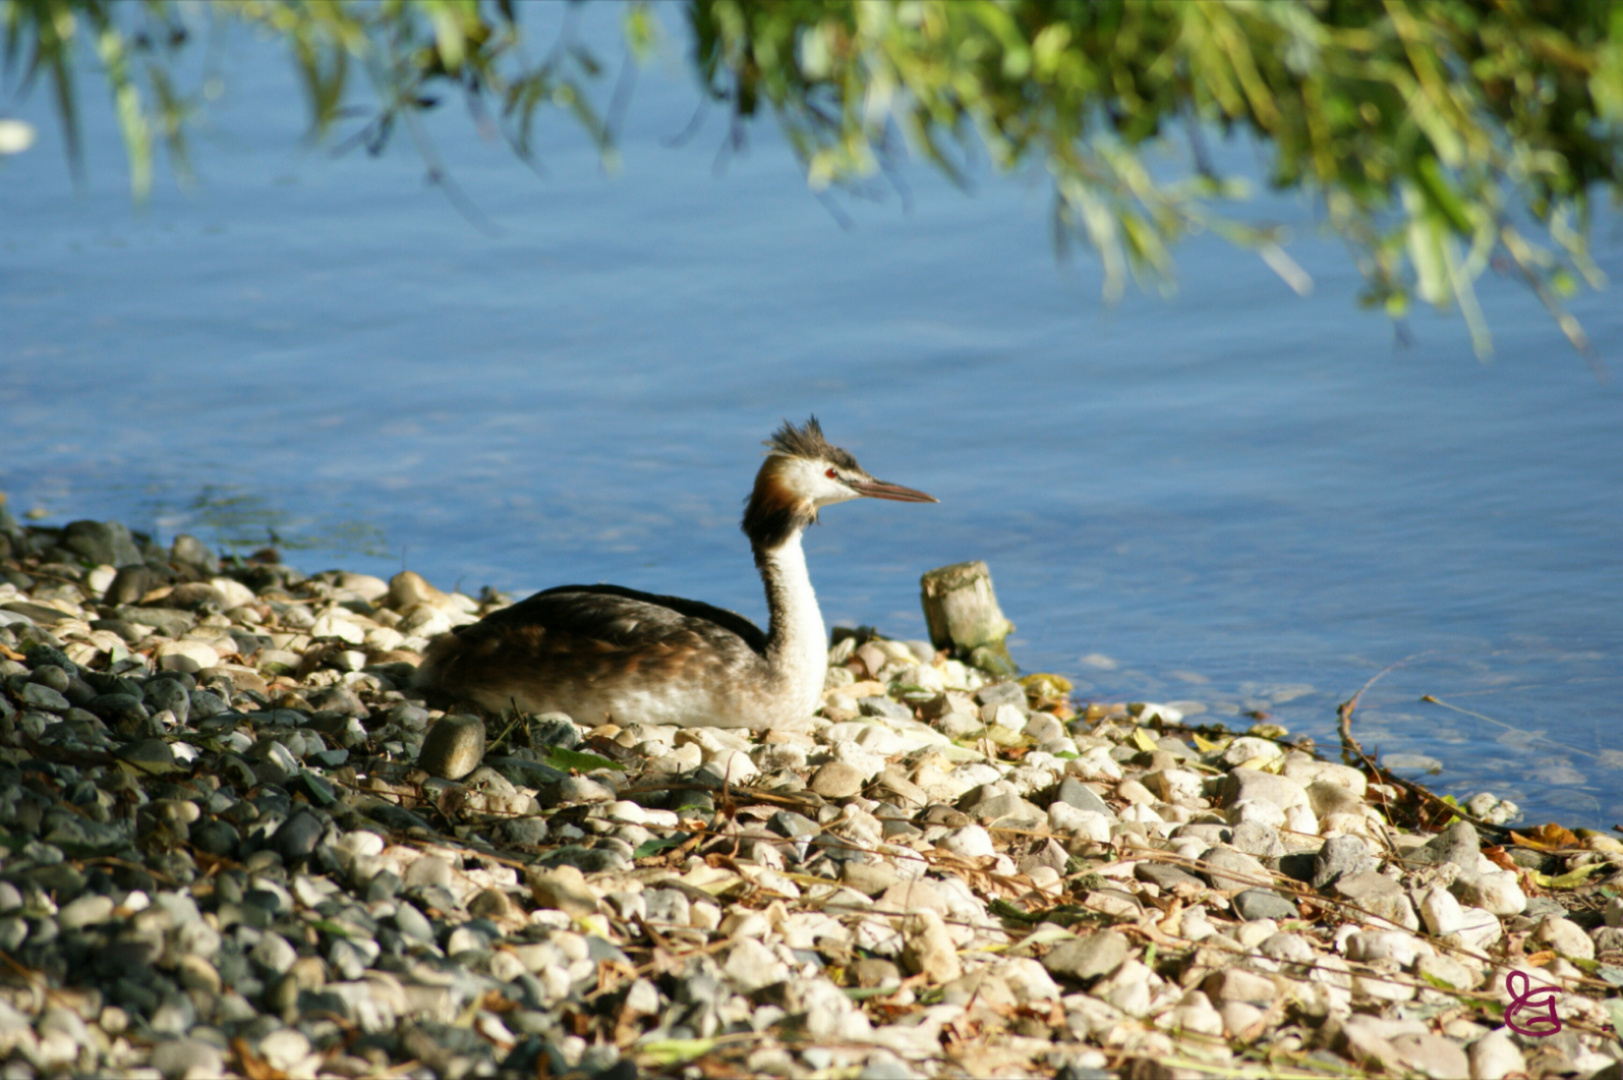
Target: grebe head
<point>801,475</point>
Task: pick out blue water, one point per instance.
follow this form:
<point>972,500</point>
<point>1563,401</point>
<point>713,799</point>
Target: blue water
<point>1234,496</point>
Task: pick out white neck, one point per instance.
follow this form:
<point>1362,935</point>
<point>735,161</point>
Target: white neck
<point>796,645</point>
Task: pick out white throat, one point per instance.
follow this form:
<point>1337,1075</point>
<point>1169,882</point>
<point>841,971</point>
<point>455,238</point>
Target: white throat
<point>796,646</point>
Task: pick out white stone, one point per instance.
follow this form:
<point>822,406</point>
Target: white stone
<point>1175,785</point>
<point>1263,813</point>
<point>1495,1056</point>
<point>188,656</point>
<point>1004,716</point>
<point>735,766</point>
<point>752,964</point>
<point>853,754</point>
<point>1565,937</point>
<point>1193,1013</point>
<point>923,676</point>
<point>1478,931</point>
<point>1095,764</point>
<point>1249,747</point>
<point>1084,824</point>
<point>425,621</point>
<point>1029,980</point>
<point>969,842</point>
<point>1400,947</point>
<point>1305,770</point>
<point>1300,819</point>
<point>333,625</point>
<point>233,592</point>
<point>383,638</point>
<point>627,811</point>
<point>1442,913</point>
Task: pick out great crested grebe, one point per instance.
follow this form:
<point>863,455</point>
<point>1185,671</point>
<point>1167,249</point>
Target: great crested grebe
<point>600,652</point>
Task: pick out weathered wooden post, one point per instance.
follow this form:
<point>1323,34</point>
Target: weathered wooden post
<point>961,611</point>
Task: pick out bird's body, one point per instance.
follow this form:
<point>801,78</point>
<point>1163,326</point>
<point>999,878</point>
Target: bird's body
<point>601,652</point>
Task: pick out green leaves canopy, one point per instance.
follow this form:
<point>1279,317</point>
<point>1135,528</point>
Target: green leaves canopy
<point>1438,138</point>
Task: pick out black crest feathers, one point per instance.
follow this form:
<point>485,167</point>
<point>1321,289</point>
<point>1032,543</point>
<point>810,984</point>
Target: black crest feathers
<point>807,441</point>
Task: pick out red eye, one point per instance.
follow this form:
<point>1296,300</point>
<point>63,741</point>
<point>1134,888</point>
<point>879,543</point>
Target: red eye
<point>832,475</point>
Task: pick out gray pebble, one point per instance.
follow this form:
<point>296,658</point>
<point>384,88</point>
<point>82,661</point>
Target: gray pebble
<point>298,836</point>
<point>190,551</point>
<point>206,704</point>
<point>128,586</point>
<point>1079,795</point>
<point>1263,904</point>
<point>1163,875</point>
<point>85,911</point>
<point>587,860</point>
<point>274,954</point>
<point>39,696</point>
<point>554,729</point>
<point>884,707</point>
<point>177,1059</point>
<point>1003,693</point>
<point>102,542</point>
<point>1243,872</point>
<point>1341,857</point>
<point>1256,838</point>
<point>52,676</point>
<point>169,694</point>
<point>1087,957</point>
<point>453,747</point>
<point>837,780</point>
<point>413,923</point>
<point>1457,844</point>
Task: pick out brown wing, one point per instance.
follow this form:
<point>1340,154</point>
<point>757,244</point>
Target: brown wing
<point>565,648</point>
<point>619,616</point>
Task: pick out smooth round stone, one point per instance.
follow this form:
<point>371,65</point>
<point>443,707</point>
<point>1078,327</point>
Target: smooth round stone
<point>284,1049</point>
<point>413,923</point>
<point>298,836</point>
<point>970,842</point>
<point>274,953</point>
<point>191,551</point>
<point>148,755</point>
<point>180,1058</point>
<point>428,871</point>
<point>196,596</point>
<point>188,656</point>
<point>492,904</point>
<point>233,593</point>
<point>106,542</point>
<point>837,780</point>
<point>338,628</point>
<point>453,747</point>
<point>50,675</point>
<point>206,704</point>
<point>85,911</point>
<point>582,789</point>
<point>1263,904</point>
<point>39,696</point>
<point>1087,957</point>
<point>197,973</point>
<point>168,694</point>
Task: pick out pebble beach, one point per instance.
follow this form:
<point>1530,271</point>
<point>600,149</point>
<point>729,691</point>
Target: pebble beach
<point>235,842</point>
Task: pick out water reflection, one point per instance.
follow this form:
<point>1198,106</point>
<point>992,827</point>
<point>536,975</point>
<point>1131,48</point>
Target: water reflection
<point>240,521</point>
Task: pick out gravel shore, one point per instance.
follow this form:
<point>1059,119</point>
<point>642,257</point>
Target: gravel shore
<point>233,842</point>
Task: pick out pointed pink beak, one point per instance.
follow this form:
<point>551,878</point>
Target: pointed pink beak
<point>878,489</point>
